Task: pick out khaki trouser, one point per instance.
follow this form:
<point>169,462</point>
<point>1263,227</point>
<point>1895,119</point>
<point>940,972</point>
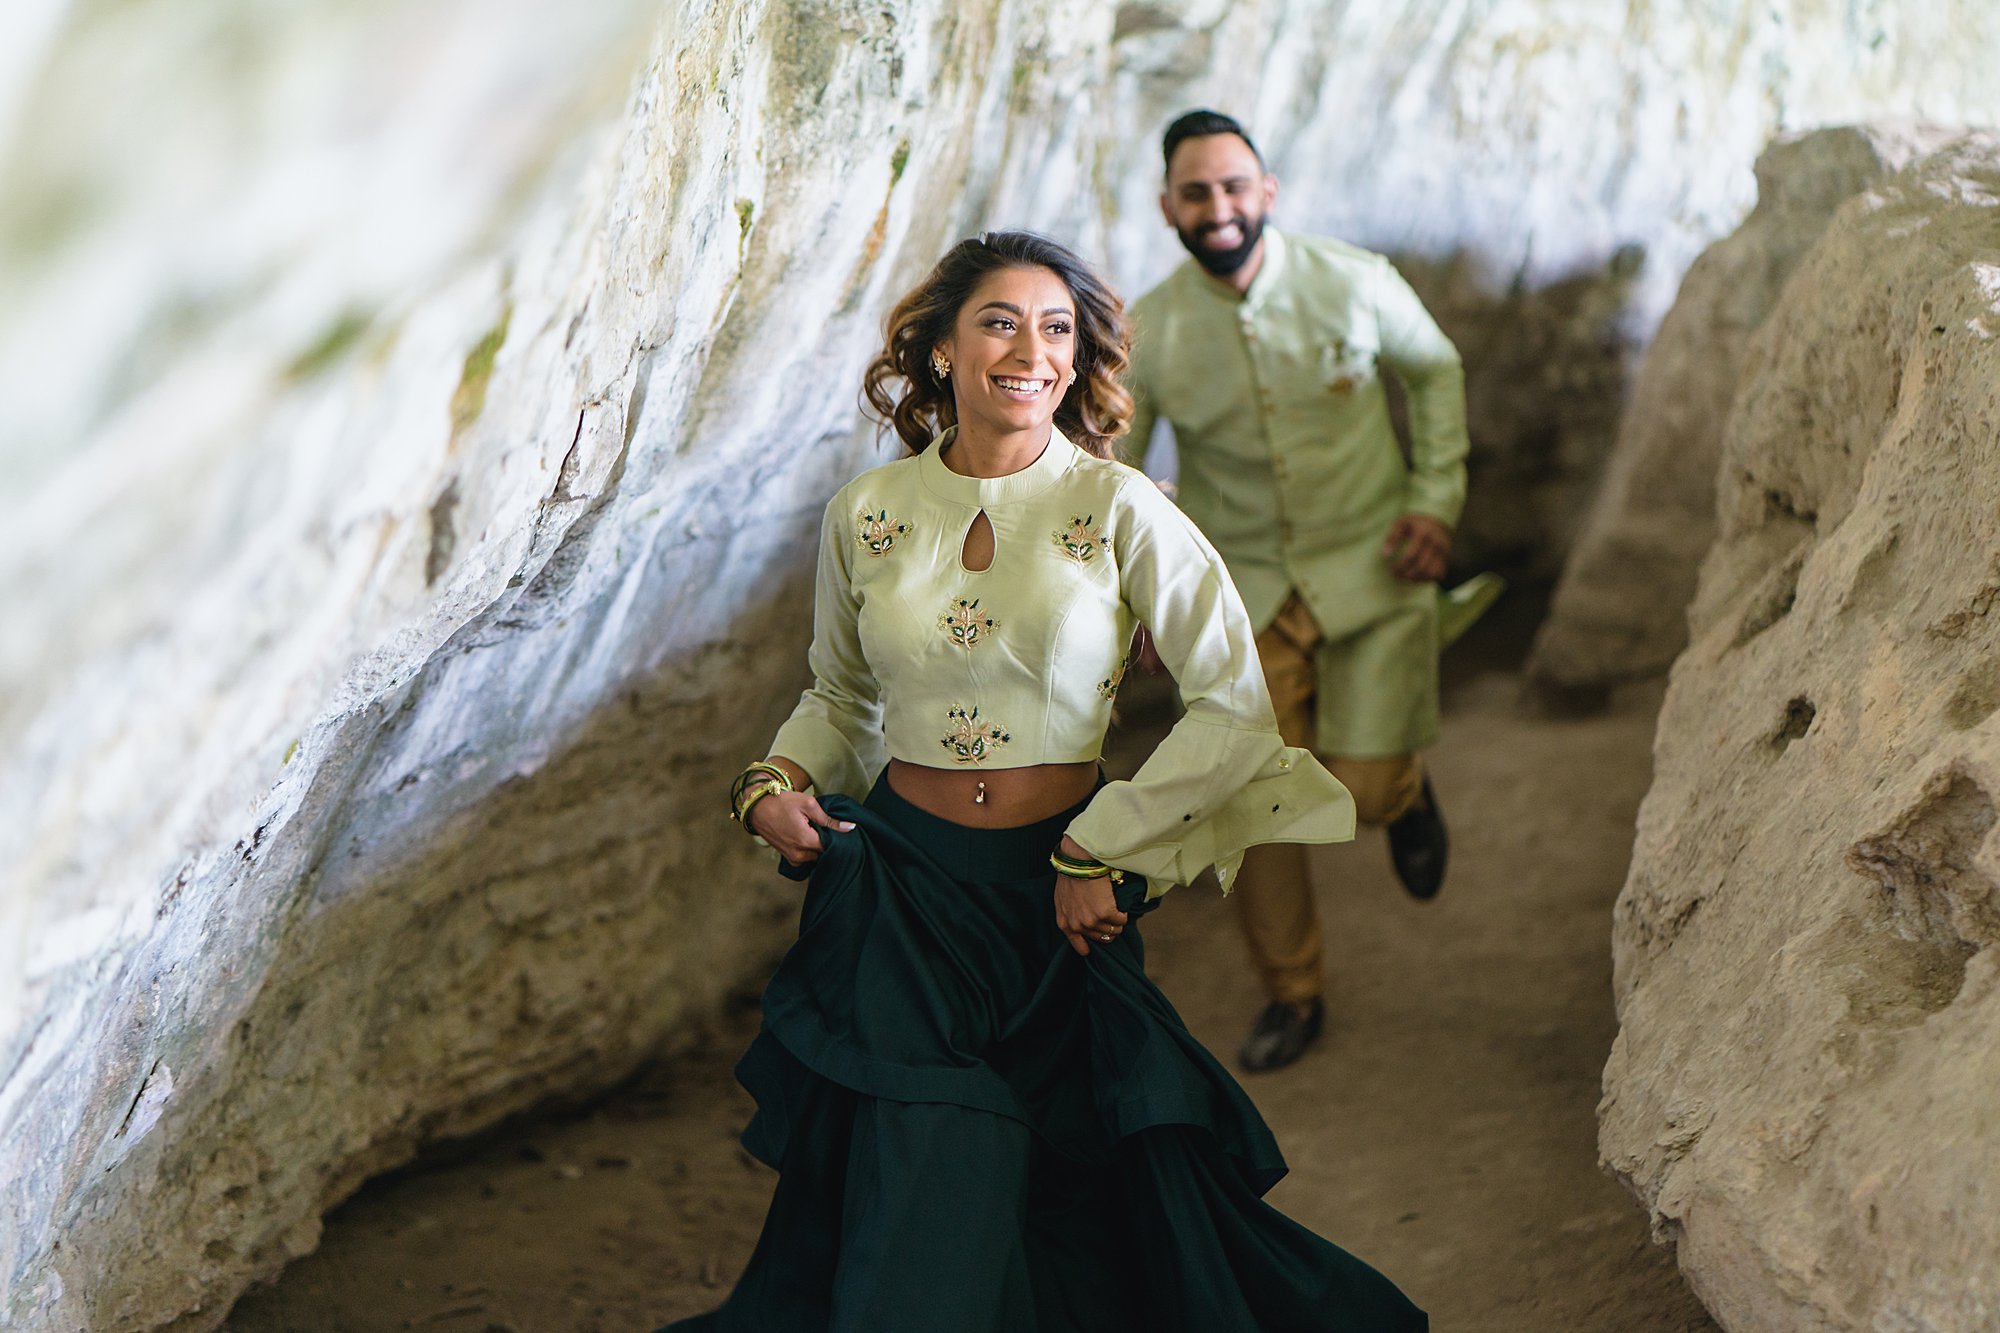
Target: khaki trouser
<point>1273,891</point>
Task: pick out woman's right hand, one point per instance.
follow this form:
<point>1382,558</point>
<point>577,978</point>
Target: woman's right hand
<point>789,821</point>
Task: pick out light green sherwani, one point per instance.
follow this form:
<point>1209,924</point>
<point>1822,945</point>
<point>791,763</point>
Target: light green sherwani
<point>1290,467</point>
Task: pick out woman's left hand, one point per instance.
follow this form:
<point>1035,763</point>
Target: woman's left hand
<point>1086,909</point>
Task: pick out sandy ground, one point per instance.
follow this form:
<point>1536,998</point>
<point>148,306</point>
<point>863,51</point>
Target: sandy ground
<point>1443,1129</point>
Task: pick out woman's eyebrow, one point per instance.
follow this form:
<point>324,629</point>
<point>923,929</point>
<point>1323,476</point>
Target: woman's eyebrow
<point>1015,310</point>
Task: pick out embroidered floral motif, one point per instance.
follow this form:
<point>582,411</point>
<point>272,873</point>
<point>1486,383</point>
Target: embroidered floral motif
<point>1082,540</point>
<point>1108,687</point>
<point>970,740</point>
<point>966,625</point>
<point>878,532</point>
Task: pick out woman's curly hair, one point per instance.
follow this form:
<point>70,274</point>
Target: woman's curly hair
<point>1094,411</point>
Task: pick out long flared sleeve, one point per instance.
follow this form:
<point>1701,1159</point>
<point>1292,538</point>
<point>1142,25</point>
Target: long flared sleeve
<point>835,733</point>
<point>1221,780</point>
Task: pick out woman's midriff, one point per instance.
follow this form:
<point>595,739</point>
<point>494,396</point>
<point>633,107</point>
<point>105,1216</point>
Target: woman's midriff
<point>1013,796</point>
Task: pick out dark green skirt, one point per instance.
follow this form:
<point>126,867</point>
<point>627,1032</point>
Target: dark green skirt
<point>977,1130</point>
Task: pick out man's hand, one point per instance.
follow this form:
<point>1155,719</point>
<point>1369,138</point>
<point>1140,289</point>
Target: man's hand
<point>790,821</point>
<point>1417,548</point>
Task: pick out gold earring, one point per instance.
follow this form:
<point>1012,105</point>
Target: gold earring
<point>940,363</point>
<point>1071,380</point>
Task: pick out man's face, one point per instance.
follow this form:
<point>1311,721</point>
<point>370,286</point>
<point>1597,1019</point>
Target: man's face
<point>1216,199</point>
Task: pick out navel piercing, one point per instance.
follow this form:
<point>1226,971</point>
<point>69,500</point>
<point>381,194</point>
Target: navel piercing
<point>979,797</point>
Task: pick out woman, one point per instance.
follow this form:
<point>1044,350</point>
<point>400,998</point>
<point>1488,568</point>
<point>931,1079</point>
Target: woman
<point>983,1114</point>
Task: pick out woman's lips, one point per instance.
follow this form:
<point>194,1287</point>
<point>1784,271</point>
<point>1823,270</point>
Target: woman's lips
<point>1021,387</point>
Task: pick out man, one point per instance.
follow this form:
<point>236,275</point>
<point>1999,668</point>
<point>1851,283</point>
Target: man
<point>1265,353</point>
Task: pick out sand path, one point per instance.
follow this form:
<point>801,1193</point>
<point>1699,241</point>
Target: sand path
<point>1443,1129</point>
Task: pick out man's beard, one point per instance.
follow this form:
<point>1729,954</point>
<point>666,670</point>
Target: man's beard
<point>1222,263</point>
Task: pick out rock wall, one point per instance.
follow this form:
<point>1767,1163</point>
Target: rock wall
<point>1620,610</point>
<point>1802,1086</point>
<point>415,415</point>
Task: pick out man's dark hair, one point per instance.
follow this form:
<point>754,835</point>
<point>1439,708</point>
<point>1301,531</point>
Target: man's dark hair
<point>1199,125</point>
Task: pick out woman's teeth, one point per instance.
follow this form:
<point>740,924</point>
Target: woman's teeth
<point>1021,388</point>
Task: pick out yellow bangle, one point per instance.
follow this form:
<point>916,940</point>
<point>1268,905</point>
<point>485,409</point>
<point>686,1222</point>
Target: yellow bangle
<point>1074,869</point>
<point>757,793</point>
<point>759,774</point>
<point>777,774</point>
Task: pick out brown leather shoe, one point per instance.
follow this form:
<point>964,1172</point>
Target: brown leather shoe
<point>1281,1035</point>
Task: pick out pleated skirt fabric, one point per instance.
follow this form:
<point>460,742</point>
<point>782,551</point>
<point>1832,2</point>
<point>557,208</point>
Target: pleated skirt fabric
<point>978,1130</point>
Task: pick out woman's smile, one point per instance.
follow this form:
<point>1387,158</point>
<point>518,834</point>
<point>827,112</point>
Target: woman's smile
<point>1025,388</point>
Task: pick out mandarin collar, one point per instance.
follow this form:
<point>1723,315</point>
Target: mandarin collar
<point>1054,460</point>
<point>1261,286</point>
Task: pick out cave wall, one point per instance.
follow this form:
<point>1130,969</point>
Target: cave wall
<point>415,416</point>
<point>1801,1091</point>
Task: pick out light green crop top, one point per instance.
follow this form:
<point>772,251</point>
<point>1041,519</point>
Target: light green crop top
<point>916,657</point>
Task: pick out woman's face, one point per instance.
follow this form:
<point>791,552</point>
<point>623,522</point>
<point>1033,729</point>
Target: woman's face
<point>1012,349</point>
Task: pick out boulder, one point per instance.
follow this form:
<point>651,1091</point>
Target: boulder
<point>1620,609</point>
<point>1801,1090</point>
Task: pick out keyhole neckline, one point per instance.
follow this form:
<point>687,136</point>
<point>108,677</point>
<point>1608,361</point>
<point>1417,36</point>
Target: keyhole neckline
<point>992,541</point>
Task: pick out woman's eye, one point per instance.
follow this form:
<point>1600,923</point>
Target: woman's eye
<point>1058,328</point>
<point>1002,324</point>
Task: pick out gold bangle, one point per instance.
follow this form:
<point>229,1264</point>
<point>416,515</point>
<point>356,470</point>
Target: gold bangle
<point>757,793</point>
<point>757,774</point>
<point>1074,869</point>
<point>779,774</point>
<point>748,796</point>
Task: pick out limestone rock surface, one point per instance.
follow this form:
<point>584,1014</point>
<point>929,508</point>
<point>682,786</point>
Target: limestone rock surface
<point>1802,1086</point>
<point>1620,609</point>
<point>416,412</point>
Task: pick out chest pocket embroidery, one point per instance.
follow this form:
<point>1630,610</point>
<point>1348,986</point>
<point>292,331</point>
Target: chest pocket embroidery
<point>1343,369</point>
<point>970,740</point>
<point>1082,541</point>
<point>878,533</point>
<point>966,625</point>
